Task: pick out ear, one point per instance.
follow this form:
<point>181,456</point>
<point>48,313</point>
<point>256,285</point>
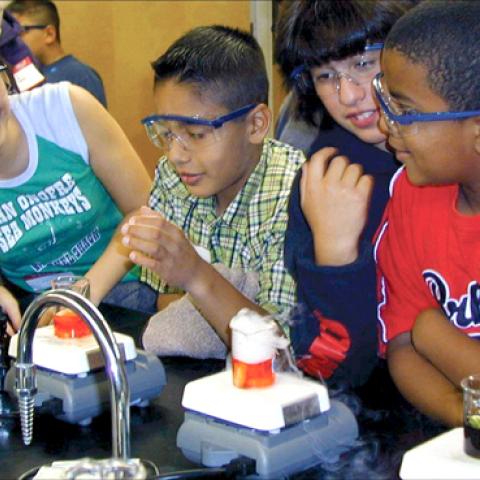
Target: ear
<point>476,140</point>
<point>259,121</point>
<point>50,35</point>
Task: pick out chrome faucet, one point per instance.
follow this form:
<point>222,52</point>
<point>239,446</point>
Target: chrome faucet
<point>25,369</point>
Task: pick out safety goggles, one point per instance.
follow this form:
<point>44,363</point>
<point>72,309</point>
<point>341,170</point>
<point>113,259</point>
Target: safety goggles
<point>27,28</point>
<point>192,133</point>
<point>403,124</point>
<point>326,81</point>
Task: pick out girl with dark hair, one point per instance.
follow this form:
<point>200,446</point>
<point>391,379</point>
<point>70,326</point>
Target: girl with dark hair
<point>329,52</point>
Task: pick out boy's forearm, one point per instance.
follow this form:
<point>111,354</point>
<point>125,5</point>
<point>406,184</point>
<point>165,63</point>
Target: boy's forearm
<point>111,266</point>
<point>218,300</point>
<point>165,299</point>
<point>109,269</point>
<point>450,350</point>
<point>422,384</point>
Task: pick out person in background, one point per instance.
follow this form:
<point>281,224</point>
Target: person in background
<point>40,25</point>
<point>23,63</point>
<point>221,190</point>
<point>329,52</point>
<point>291,128</point>
<point>60,204</point>
<point>428,247</point>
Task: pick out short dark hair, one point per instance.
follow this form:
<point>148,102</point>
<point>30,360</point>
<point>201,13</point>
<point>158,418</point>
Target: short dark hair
<point>311,33</point>
<point>224,63</point>
<point>44,11</point>
<point>444,37</point>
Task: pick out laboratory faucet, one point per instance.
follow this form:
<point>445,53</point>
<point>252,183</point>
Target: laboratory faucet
<point>25,370</point>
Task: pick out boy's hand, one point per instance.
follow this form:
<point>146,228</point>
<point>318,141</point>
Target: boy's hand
<point>162,247</point>
<point>334,198</point>
<point>10,306</point>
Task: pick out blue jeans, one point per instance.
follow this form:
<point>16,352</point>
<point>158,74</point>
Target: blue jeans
<point>133,295</point>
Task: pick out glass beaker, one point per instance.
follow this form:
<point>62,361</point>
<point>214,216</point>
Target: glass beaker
<point>68,324</point>
<point>471,415</point>
<point>255,340</point>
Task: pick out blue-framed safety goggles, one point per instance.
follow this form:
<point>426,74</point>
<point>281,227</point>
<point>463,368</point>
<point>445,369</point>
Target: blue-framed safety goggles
<point>215,123</point>
<point>190,132</point>
<point>299,73</point>
<point>404,123</point>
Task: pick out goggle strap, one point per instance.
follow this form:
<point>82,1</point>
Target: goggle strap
<point>297,71</point>
<point>216,123</point>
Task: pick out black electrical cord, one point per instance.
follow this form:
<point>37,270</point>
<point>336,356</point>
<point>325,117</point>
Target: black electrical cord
<point>237,468</point>
<point>217,472</point>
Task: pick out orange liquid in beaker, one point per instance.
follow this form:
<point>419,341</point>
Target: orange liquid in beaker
<point>67,324</point>
<point>253,375</point>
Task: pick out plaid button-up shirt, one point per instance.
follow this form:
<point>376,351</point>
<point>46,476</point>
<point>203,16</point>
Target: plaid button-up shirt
<point>249,235</point>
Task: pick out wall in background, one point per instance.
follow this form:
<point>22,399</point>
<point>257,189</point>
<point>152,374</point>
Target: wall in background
<point>120,39</point>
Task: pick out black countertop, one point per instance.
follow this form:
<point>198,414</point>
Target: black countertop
<point>388,425</point>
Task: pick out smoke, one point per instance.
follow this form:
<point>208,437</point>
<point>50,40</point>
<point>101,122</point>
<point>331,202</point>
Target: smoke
<point>386,432</point>
<point>388,425</point>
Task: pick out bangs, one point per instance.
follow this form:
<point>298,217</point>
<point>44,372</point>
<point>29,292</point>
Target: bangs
<point>334,41</point>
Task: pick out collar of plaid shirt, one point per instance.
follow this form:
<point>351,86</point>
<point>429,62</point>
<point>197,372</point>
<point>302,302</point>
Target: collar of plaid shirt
<point>236,213</point>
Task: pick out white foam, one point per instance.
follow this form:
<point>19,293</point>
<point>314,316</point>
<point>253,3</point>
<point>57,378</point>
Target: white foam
<point>255,338</point>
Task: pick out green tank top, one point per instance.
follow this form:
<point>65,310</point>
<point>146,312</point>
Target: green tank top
<point>59,220</point>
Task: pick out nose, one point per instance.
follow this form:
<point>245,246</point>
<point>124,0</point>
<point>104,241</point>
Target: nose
<point>177,152</point>
<point>349,91</point>
<point>382,124</point>
<point>387,127</point>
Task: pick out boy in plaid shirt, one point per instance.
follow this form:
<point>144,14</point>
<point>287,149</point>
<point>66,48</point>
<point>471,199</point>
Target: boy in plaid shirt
<point>221,191</point>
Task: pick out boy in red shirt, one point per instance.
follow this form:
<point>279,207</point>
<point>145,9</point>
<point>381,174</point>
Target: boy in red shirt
<point>428,245</point>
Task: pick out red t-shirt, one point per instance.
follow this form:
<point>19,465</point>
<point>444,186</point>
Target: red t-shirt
<point>428,255</point>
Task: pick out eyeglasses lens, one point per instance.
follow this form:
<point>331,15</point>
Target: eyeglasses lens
<point>327,79</point>
<point>394,126</point>
<point>190,137</point>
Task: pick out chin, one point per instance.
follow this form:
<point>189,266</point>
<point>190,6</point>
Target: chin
<point>372,137</point>
<point>199,192</point>
<point>418,180</point>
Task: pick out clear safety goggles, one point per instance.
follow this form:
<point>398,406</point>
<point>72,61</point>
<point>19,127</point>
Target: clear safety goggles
<point>192,133</point>
<point>29,28</point>
<point>325,80</point>
<point>400,123</point>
